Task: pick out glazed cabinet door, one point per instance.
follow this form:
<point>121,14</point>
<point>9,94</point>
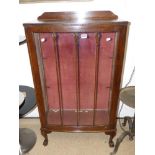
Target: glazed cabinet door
<point>77,74</point>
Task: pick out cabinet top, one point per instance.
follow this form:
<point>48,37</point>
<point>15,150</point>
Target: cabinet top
<point>73,16</point>
<point>77,18</point>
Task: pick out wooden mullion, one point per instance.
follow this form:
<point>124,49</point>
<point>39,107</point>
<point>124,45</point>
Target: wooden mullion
<point>76,37</point>
<point>55,39</point>
<point>96,75</point>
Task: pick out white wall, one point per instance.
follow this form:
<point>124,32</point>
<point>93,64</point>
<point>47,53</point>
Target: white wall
<point>123,8</point>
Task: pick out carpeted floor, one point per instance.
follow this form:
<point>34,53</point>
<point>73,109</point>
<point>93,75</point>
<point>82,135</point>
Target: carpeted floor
<point>61,143</point>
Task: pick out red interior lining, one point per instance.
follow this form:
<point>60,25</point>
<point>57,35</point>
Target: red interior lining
<point>105,69</point>
<point>67,66</point>
<point>50,70</point>
<point>87,54</point>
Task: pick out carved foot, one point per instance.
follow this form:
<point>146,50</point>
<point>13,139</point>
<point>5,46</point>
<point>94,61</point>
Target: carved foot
<point>111,143</point>
<point>112,135</point>
<point>45,142</point>
<point>44,134</point>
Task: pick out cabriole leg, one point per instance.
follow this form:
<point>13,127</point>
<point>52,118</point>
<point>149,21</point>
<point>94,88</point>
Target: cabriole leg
<point>112,135</point>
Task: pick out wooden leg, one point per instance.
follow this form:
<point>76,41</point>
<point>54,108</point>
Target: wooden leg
<point>111,143</point>
<point>44,134</point>
<point>112,135</point>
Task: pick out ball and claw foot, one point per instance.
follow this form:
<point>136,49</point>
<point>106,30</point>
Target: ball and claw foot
<point>112,135</point>
<point>44,134</point>
<point>111,144</point>
<point>45,142</point>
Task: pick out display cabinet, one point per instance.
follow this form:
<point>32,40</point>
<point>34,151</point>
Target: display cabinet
<point>77,61</point>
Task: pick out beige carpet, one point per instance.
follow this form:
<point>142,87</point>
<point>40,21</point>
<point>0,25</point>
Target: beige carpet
<point>75,143</point>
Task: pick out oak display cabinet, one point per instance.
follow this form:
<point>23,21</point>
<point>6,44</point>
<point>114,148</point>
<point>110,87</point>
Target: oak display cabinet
<point>77,62</point>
